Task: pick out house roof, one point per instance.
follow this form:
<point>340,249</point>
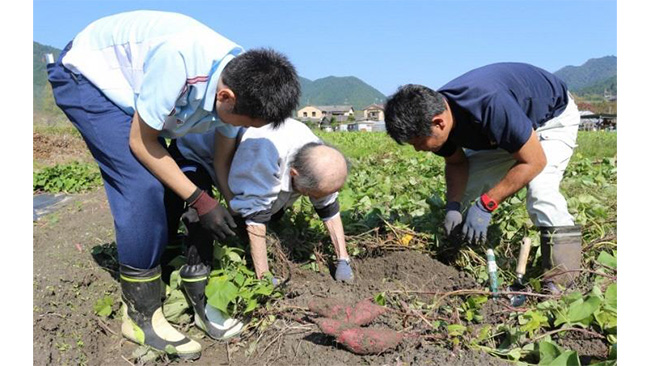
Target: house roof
<point>334,108</point>
<point>375,106</point>
<point>368,122</point>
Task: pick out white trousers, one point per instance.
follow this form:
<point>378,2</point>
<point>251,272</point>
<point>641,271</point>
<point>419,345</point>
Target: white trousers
<point>545,204</point>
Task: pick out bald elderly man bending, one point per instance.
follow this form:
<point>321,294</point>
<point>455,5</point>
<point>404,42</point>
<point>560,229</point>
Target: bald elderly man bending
<point>270,170</point>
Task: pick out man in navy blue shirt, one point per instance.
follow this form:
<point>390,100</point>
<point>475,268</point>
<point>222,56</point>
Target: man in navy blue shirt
<point>500,128</point>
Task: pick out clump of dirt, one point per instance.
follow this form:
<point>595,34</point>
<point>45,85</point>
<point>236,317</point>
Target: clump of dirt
<point>52,149</point>
<point>588,347</point>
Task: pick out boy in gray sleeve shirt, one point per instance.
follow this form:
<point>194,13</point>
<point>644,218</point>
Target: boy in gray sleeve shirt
<point>270,170</point>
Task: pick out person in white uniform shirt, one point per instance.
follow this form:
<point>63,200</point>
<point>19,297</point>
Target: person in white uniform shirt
<point>128,81</point>
<point>271,169</point>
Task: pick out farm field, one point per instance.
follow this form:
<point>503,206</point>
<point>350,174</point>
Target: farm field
<point>435,289</point>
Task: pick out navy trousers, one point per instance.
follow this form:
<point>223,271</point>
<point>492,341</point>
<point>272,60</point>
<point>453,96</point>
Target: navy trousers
<point>136,197</point>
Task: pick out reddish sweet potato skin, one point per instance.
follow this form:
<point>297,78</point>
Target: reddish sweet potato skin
<point>363,313</point>
<point>332,327</point>
<point>365,341</point>
<point>330,309</point>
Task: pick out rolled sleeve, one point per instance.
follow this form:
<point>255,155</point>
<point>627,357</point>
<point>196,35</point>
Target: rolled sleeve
<point>162,83</point>
<point>326,207</point>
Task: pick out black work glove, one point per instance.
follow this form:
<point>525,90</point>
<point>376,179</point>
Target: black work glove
<point>453,217</point>
<point>212,216</point>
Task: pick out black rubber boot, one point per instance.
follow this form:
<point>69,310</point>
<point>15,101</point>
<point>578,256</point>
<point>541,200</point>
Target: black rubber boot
<point>143,321</point>
<point>561,254</point>
<point>194,279</point>
<point>175,247</point>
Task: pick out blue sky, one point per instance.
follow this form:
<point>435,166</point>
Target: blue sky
<point>385,43</point>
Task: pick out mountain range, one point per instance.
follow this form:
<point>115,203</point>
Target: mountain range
<point>594,77</point>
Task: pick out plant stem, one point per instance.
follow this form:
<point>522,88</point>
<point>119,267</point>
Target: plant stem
<point>594,334</point>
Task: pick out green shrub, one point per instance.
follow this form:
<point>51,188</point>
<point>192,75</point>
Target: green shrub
<point>70,178</point>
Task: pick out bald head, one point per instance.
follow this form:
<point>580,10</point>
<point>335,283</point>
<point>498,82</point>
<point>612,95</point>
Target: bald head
<point>318,170</point>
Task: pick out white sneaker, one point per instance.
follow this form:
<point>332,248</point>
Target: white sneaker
<point>220,321</point>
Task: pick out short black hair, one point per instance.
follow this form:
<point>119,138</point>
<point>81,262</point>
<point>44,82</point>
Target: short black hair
<point>265,84</point>
<point>409,112</point>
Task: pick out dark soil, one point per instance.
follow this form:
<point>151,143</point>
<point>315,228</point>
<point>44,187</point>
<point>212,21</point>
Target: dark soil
<point>51,149</point>
<point>589,348</point>
<point>68,281</point>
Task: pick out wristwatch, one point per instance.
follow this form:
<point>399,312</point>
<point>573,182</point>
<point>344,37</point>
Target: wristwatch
<point>489,203</point>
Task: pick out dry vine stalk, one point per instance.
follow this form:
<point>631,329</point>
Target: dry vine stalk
<point>281,263</point>
<point>372,239</point>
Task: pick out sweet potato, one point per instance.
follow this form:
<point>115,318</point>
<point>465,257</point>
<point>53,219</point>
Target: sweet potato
<point>365,312</point>
<point>331,326</point>
<point>364,341</point>
<point>330,308</point>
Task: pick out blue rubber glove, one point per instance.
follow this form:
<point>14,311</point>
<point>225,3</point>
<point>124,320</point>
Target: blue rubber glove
<point>476,223</point>
<point>344,271</point>
<point>453,217</point>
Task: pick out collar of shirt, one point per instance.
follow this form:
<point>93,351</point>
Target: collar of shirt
<point>211,90</point>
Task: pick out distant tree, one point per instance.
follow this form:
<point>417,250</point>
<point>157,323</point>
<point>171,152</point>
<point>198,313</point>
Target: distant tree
<point>311,124</point>
<point>351,118</point>
<point>334,123</point>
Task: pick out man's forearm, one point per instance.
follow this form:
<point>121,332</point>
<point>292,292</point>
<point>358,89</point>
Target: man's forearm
<point>224,152</point>
<point>456,175</point>
<point>257,237</point>
<point>221,171</point>
<point>335,228</point>
<point>517,178</point>
<point>530,161</point>
<point>146,148</point>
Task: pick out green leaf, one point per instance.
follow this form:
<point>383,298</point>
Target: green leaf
<point>456,329</point>
<point>515,354</point>
<point>175,307</point>
<point>610,295</point>
<point>380,298</point>
<point>548,351</point>
<point>604,363</point>
<point>532,321</point>
<point>574,296</point>
<point>250,306</point>
<point>223,293</point>
<point>607,259</point>
<point>265,290</point>
<point>219,252</point>
<point>567,358</point>
<point>240,279</point>
<point>579,310</point>
<point>214,284</point>
<point>606,320</point>
<point>613,350</point>
<point>104,306</point>
<point>234,257</point>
